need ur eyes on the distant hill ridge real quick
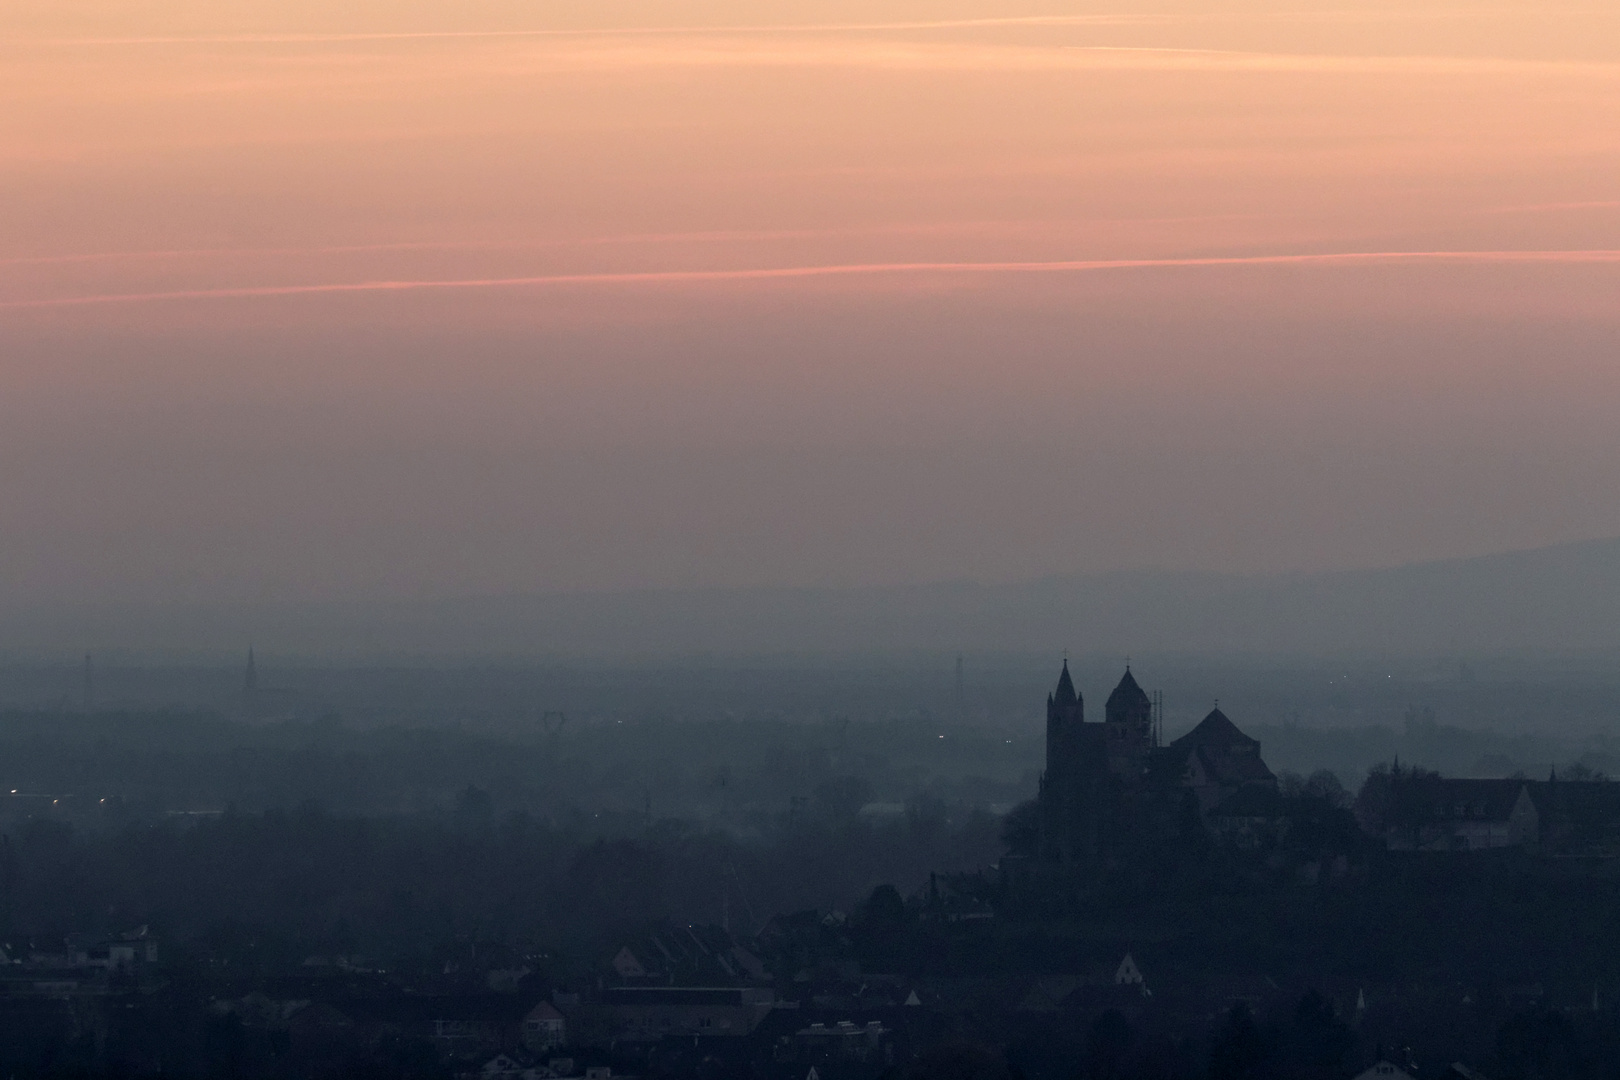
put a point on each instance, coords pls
(1555, 599)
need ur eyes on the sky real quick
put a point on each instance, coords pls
(416, 299)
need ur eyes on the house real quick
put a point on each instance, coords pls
(1433, 813)
(1385, 1070)
(519, 1066)
(318, 1030)
(1048, 994)
(506, 980)
(119, 953)
(1128, 973)
(647, 1013)
(1253, 818)
(1415, 810)
(317, 1019)
(470, 1026)
(505, 1067)
(627, 966)
(687, 955)
(137, 946)
(844, 1041)
(544, 1028)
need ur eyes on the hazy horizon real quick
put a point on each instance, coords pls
(390, 302)
(1556, 602)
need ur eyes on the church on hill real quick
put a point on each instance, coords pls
(1110, 787)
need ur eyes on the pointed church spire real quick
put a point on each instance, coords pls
(1065, 694)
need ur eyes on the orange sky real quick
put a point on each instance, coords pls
(428, 298)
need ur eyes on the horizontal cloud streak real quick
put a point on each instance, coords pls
(988, 23)
(719, 49)
(973, 57)
(711, 236)
(678, 277)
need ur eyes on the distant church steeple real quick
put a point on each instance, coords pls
(1065, 695)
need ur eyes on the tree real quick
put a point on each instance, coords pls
(1319, 1042)
(884, 911)
(1324, 784)
(1021, 829)
(1240, 1049)
(1395, 798)
(957, 1061)
(1537, 1044)
(1107, 1043)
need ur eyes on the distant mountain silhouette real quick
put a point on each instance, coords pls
(1555, 599)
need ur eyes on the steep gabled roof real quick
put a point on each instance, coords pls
(1225, 754)
(1461, 799)
(1214, 730)
(544, 1011)
(1233, 764)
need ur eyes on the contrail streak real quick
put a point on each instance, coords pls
(707, 237)
(780, 273)
(711, 236)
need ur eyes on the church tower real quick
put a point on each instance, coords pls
(1065, 713)
(1128, 716)
(1095, 773)
(1074, 788)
